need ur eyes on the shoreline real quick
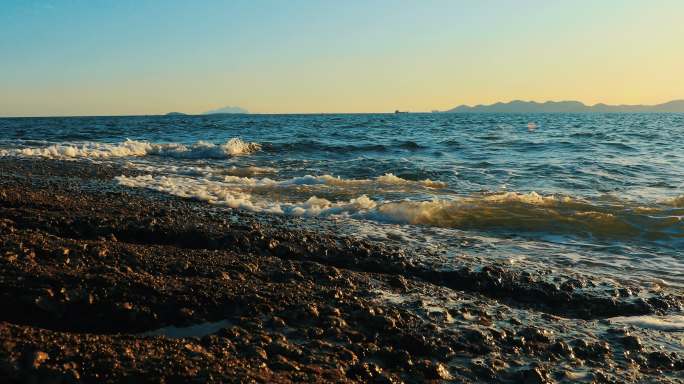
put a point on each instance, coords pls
(89, 269)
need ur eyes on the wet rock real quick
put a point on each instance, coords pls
(483, 370)
(414, 344)
(278, 322)
(592, 351)
(535, 335)
(36, 358)
(442, 316)
(335, 322)
(366, 372)
(433, 370)
(312, 310)
(632, 342)
(315, 332)
(348, 356)
(661, 360)
(61, 255)
(498, 334)
(257, 352)
(476, 336)
(561, 348)
(534, 375)
(399, 282)
(398, 358)
(572, 284)
(284, 348)
(281, 363)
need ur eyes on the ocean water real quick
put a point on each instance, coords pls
(596, 193)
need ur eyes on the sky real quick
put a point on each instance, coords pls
(129, 57)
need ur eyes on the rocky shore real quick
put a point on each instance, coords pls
(104, 284)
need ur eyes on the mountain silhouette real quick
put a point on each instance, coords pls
(519, 106)
(228, 109)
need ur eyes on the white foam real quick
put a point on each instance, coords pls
(134, 148)
(673, 323)
(234, 191)
(223, 194)
(234, 179)
(390, 178)
(509, 210)
(532, 198)
(386, 179)
(206, 171)
(487, 209)
(677, 202)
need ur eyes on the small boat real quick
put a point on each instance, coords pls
(398, 111)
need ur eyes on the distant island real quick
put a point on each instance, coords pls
(176, 114)
(226, 110)
(519, 106)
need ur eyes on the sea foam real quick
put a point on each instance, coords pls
(221, 193)
(510, 211)
(134, 148)
(671, 323)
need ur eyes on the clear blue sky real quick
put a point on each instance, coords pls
(80, 57)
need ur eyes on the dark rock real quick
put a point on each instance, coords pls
(433, 370)
(482, 370)
(661, 360)
(36, 358)
(561, 348)
(534, 376)
(632, 342)
(281, 363)
(365, 372)
(535, 335)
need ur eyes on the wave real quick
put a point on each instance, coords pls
(671, 323)
(218, 193)
(201, 171)
(239, 177)
(314, 145)
(134, 148)
(513, 212)
(531, 212)
(386, 179)
(677, 202)
(410, 145)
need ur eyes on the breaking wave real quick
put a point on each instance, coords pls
(677, 202)
(134, 148)
(386, 179)
(316, 145)
(237, 179)
(511, 211)
(220, 193)
(202, 171)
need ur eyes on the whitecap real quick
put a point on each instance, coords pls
(134, 148)
(521, 212)
(673, 323)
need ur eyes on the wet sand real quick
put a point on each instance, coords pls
(104, 284)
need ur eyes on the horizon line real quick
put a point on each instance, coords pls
(359, 113)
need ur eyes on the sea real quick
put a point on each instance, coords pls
(585, 193)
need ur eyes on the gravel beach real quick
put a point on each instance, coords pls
(104, 284)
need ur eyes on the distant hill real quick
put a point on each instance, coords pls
(518, 106)
(226, 110)
(176, 114)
